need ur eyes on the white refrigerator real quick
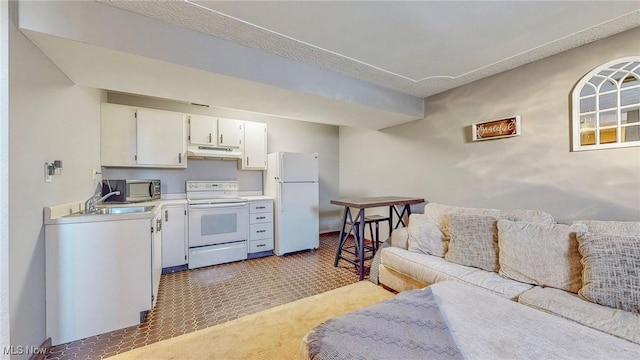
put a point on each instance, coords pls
(292, 179)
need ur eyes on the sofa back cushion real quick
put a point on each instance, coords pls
(425, 236)
(611, 274)
(611, 227)
(428, 232)
(473, 241)
(533, 216)
(540, 254)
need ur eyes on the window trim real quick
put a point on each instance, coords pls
(575, 103)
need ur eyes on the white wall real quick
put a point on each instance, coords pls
(282, 135)
(4, 178)
(50, 119)
(434, 158)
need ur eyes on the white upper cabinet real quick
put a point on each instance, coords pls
(139, 137)
(203, 130)
(136, 137)
(254, 146)
(118, 135)
(161, 138)
(215, 132)
(229, 133)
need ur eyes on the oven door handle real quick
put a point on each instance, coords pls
(218, 206)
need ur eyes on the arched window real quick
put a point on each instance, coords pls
(606, 106)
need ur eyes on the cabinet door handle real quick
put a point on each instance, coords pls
(180, 158)
(166, 215)
(260, 207)
(261, 231)
(247, 161)
(261, 245)
(209, 137)
(221, 141)
(261, 217)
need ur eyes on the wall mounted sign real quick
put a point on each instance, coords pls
(496, 129)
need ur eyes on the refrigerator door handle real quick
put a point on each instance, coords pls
(280, 168)
(280, 203)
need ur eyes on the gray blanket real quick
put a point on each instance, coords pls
(454, 320)
(407, 326)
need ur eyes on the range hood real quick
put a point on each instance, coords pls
(194, 151)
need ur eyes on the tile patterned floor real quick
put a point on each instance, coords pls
(200, 298)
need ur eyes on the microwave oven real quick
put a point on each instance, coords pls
(131, 190)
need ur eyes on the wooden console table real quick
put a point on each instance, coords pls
(370, 202)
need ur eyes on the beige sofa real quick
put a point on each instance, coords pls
(587, 271)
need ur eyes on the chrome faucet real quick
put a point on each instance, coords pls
(91, 203)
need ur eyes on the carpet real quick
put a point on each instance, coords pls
(274, 333)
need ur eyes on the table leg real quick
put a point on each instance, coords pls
(407, 210)
(360, 240)
(341, 238)
(391, 219)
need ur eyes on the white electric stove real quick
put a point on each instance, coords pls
(218, 223)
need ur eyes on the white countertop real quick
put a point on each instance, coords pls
(58, 214)
(257, 197)
(55, 215)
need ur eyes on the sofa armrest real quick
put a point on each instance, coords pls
(400, 238)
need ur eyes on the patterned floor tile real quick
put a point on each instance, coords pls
(200, 298)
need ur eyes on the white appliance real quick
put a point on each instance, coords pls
(292, 179)
(218, 223)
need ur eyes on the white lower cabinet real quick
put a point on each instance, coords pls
(174, 236)
(260, 228)
(100, 276)
(156, 257)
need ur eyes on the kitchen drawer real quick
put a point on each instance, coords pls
(260, 231)
(260, 218)
(260, 206)
(260, 245)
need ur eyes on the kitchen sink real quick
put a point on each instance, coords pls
(122, 210)
(114, 210)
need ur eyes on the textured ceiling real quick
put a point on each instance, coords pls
(416, 47)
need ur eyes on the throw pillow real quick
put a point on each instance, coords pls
(473, 241)
(425, 236)
(611, 273)
(427, 231)
(540, 254)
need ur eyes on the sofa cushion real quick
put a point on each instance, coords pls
(611, 227)
(473, 241)
(611, 273)
(540, 254)
(617, 322)
(533, 216)
(425, 236)
(487, 327)
(428, 231)
(400, 238)
(430, 269)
